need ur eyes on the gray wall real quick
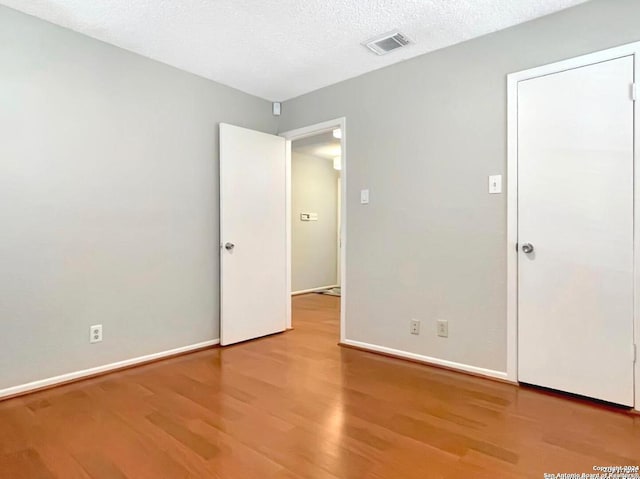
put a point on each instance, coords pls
(423, 136)
(314, 248)
(108, 200)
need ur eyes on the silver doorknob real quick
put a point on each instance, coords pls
(229, 246)
(527, 248)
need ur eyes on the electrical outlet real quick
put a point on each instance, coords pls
(95, 333)
(414, 326)
(443, 328)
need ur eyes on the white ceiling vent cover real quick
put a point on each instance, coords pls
(386, 43)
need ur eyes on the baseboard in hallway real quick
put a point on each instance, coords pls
(313, 290)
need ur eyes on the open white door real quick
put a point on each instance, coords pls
(253, 234)
(575, 231)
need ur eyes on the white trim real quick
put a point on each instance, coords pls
(429, 360)
(305, 132)
(338, 228)
(313, 290)
(63, 378)
(316, 129)
(287, 166)
(512, 228)
(636, 230)
(512, 198)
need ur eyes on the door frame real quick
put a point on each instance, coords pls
(632, 49)
(298, 134)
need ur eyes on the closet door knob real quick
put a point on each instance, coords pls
(527, 248)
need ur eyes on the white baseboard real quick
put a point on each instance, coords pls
(429, 360)
(64, 378)
(313, 290)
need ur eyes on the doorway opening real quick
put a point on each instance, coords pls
(316, 212)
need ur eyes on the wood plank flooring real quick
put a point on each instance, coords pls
(295, 405)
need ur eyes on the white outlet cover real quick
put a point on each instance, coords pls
(95, 333)
(443, 328)
(414, 327)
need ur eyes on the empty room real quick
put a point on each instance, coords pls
(305, 239)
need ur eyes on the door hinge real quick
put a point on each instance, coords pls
(516, 247)
(635, 353)
(634, 91)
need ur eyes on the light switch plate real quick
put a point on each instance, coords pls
(495, 184)
(364, 197)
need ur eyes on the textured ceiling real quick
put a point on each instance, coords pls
(278, 49)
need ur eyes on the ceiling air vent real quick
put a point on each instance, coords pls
(388, 42)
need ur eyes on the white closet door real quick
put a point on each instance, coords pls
(575, 209)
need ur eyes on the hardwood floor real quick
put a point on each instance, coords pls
(296, 405)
